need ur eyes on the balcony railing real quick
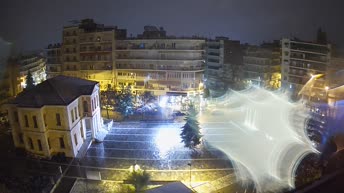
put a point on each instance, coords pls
(138, 47)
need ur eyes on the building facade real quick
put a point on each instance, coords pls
(55, 116)
(88, 52)
(223, 64)
(152, 61)
(162, 66)
(300, 61)
(262, 66)
(13, 78)
(54, 61)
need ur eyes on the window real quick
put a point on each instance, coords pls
(49, 146)
(85, 105)
(75, 139)
(72, 115)
(34, 118)
(76, 113)
(21, 139)
(58, 119)
(26, 121)
(15, 114)
(82, 132)
(62, 144)
(30, 143)
(39, 145)
(45, 119)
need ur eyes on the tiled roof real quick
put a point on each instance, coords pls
(60, 90)
(174, 187)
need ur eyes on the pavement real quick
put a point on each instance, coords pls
(157, 148)
(154, 146)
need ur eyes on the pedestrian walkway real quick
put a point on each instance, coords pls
(83, 149)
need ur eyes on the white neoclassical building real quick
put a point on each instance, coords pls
(55, 116)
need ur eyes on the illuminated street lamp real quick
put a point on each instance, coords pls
(134, 168)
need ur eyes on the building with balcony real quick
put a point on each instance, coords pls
(162, 65)
(88, 52)
(262, 65)
(13, 78)
(54, 60)
(300, 61)
(55, 116)
(223, 62)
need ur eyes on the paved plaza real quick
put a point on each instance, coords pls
(157, 148)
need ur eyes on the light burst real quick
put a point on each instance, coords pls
(262, 132)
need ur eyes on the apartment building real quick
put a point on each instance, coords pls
(262, 65)
(150, 61)
(300, 62)
(162, 66)
(54, 60)
(88, 52)
(55, 116)
(224, 59)
(13, 77)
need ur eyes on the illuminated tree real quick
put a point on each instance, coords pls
(206, 93)
(147, 97)
(191, 134)
(124, 101)
(29, 81)
(139, 179)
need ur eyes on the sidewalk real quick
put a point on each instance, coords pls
(84, 148)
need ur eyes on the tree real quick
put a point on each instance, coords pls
(139, 179)
(124, 101)
(206, 93)
(191, 135)
(108, 98)
(147, 97)
(29, 81)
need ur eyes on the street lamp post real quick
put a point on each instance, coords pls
(189, 164)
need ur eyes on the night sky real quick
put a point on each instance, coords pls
(33, 24)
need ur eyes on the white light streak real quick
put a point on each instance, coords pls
(267, 138)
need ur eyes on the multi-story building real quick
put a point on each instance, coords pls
(262, 65)
(223, 61)
(55, 116)
(163, 66)
(88, 52)
(54, 62)
(301, 61)
(152, 61)
(13, 79)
